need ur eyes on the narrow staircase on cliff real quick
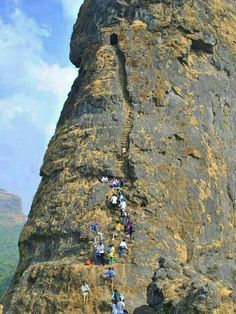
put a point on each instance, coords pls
(122, 165)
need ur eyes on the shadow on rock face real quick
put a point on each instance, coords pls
(145, 309)
(104, 307)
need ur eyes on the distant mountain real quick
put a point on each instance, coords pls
(11, 222)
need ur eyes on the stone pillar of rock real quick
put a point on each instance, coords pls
(154, 103)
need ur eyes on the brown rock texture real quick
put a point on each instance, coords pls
(154, 103)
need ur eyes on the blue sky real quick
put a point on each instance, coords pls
(36, 76)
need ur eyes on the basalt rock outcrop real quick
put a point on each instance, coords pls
(154, 103)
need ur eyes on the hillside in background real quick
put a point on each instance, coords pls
(11, 223)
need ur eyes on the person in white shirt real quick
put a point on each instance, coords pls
(104, 180)
(101, 253)
(114, 307)
(113, 201)
(85, 292)
(122, 204)
(122, 248)
(120, 307)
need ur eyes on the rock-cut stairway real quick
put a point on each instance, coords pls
(122, 164)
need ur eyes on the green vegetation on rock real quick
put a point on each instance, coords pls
(9, 254)
(11, 223)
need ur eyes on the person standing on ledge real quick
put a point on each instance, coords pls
(121, 307)
(85, 292)
(123, 248)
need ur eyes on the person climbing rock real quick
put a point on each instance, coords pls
(122, 205)
(85, 292)
(129, 230)
(116, 295)
(114, 308)
(123, 248)
(120, 195)
(101, 253)
(104, 179)
(114, 201)
(124, 151)
(96, 255)
(111, 254)
(121, 307)
(101, 236)
(109, 276)
(124, 213)
(94, 227)
(124, 217)
(95, 241)
(115, 183)
(116, 231)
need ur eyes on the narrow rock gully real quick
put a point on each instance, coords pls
(122, 165)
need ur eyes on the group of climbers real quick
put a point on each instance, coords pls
(114, 182)
(118, 201)
(118, 304)
(117, 298)
(106, 255)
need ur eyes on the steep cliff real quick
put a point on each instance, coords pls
(154, 103)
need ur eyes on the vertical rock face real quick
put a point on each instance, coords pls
(154, 103)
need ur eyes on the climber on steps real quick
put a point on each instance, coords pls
(122, 205)
(101, 236)
(116, 231)
(123, 248)
(124, 151)
(115, 183)
(109, 276)
(85, 292)
(116, 295)
(111, 254)
(94, 227)
(121, 307)
(104, 179)
(129, 229)
(114, 308)
(101, 253)
(114, 201)
(120, 195)
(124, 217)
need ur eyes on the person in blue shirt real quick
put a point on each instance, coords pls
(109, 276)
